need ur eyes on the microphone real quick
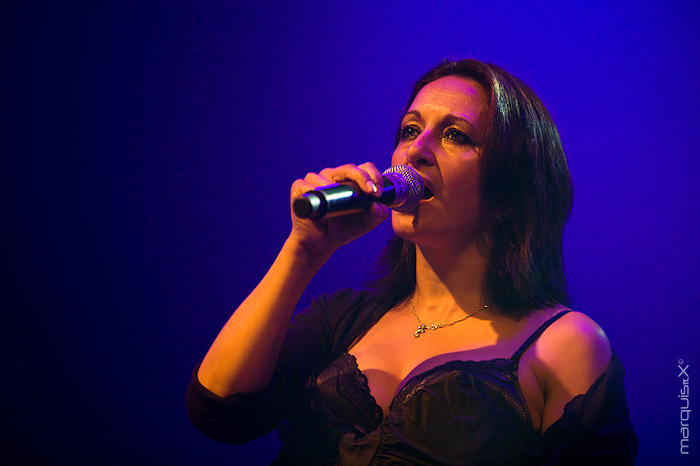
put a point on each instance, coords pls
(402, 191)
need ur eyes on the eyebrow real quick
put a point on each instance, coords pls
(452, 117)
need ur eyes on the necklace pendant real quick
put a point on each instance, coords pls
(420, 331)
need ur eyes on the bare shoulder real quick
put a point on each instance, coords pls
(569, 356)
(574, 338)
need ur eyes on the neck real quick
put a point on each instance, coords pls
(449, 284)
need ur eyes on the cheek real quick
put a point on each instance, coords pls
(464, 192)
(467, 190)
(397, 158)
(469, 210)
(467, 194)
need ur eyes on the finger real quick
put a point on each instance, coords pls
(352, 173)
(375, 174)
(310, 182)
(317, 180)
(300, 187)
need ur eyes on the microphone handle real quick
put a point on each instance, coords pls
(338, 199)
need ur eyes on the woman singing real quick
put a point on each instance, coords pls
(464, 351)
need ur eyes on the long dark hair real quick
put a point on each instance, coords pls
(526, 193)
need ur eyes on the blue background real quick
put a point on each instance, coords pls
(149, 154)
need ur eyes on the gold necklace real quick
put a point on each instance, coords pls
(423, 327)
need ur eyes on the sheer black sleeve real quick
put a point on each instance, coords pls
(595, 427)
(241, 417)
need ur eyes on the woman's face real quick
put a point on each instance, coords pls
(441, 137)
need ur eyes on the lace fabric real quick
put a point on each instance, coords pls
(442, 413)
(344, 388)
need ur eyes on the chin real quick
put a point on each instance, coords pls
(432, 231)
(406, 226)
(403, 223)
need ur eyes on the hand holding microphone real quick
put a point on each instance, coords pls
(321, 202)
(402, 191)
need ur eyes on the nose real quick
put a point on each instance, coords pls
(420, 152)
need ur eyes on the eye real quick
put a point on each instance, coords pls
(408, 132)
(457, 136)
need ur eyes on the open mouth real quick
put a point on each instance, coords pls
(427, 193)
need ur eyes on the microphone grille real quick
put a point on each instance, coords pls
(409, 189)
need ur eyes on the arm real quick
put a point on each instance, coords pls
(586, 417)
(243, 356)
(241, 417)
(571, 355)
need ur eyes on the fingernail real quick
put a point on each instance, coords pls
(372, 186)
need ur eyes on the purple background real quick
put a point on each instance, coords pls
(150, 151)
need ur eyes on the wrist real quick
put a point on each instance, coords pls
(309, 257)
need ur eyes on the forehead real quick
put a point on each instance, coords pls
(452, 94)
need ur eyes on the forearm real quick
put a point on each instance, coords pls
(244, 354)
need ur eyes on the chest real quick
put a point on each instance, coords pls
(389, 354)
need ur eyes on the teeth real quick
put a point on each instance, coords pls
(427, 193)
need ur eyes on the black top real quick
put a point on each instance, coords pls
(460, 412)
